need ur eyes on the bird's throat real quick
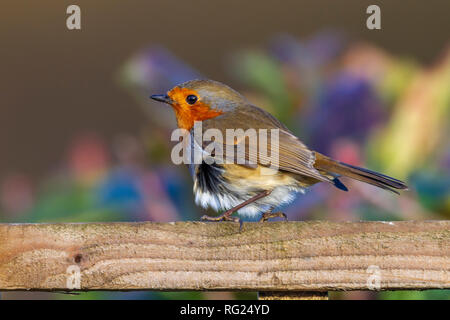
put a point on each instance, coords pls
(186, 116)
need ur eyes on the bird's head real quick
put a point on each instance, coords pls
(199, 100)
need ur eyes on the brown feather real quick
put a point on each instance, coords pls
(294, 156)
(328, 165)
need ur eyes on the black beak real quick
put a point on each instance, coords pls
(161, 98)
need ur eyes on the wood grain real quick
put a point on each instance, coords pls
(272, 256)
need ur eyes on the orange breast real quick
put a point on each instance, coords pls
(187, 114)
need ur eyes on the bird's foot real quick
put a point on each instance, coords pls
(269, 214)
(224, 217)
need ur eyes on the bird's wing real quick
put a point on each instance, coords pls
(293, 155)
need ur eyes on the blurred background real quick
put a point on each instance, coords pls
(81, 142)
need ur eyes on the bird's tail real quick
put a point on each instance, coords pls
(330, 166)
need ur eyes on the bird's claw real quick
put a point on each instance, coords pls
(223, 217)
(267, 215)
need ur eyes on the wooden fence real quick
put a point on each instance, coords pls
(281, 260)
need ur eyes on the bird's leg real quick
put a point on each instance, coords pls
(226, 216)
(269, 214)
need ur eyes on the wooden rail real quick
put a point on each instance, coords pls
(273, 256)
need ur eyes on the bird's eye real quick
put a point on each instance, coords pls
(191, 99)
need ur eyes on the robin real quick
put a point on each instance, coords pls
(249, 189)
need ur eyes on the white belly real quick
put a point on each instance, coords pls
(238, 184)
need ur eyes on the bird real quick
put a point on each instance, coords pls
(253, 189)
